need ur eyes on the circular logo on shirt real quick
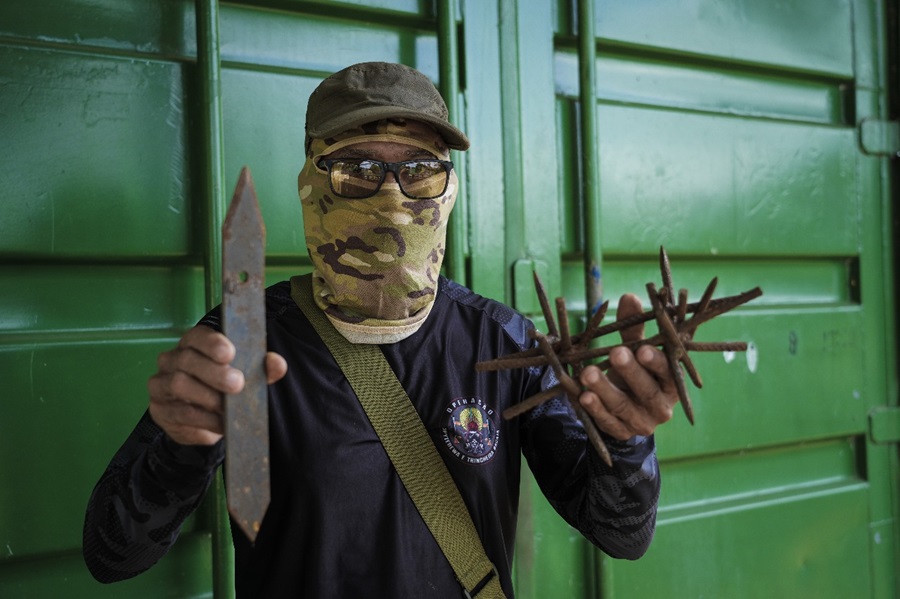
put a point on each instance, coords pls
(469, 432)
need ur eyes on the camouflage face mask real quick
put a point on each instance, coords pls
(376, 260)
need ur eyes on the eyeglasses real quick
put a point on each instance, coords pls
(358, 179)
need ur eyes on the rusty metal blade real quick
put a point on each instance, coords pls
(244, 323)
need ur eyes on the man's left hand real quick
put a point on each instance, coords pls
(639, 393)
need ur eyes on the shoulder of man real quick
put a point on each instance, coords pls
(515, 324)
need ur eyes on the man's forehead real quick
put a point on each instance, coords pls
(414, 134)
(373, 149)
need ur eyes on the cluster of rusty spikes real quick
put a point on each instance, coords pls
(566, 354)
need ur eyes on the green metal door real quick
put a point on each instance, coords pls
(99, 267)
(125, 125)
(748, 139)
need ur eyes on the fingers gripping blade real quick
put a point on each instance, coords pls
(244, 323)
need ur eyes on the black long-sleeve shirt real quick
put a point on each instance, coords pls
(340, 523)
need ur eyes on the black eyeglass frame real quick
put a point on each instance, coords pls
(387, 167)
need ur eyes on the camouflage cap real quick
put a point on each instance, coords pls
(372, 91)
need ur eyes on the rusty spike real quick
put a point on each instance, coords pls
(244, 323)
(545, 305)
(703, 304)
(573, 390)
(673, 348)
(682, 305)
(665, 270)
(593, 323)
(532, 402)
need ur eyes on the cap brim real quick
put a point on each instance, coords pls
(453, 137)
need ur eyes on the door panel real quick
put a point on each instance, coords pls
(727, 132)
(104, 236)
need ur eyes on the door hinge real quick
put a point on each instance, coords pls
(884, 424)
(879, 137)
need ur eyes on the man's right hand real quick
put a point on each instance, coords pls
(186, 393)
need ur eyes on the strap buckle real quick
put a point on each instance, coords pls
(481, 584)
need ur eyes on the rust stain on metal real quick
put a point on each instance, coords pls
(244, 323)
(567, 354)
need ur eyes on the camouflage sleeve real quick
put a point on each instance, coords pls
(614, 508)
(137, 508)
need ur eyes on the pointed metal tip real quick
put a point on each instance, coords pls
(688, 410)
(248, 509)
(245, 179)
(249, 530)
(244, 205)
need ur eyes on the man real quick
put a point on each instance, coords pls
(376, 192)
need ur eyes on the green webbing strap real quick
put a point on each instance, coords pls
(410, 449)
